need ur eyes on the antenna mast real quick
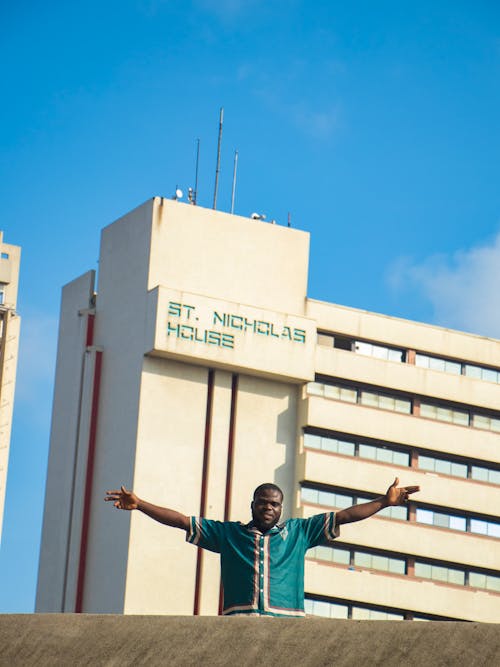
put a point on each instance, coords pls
(195, 194)
(234, 180)
(217, 169)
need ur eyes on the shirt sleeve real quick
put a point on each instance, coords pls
(320, 529)
(206, 533)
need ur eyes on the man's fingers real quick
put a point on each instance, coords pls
(411, 489)
(124, 490)
(396, 482)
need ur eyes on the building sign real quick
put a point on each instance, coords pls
(230, 334)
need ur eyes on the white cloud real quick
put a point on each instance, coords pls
(318, 123)
(462, 288)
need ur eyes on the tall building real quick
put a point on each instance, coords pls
(10, 256)
(198, 368)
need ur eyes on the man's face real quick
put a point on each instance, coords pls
(266, 509)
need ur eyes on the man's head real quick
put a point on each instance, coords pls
(266, 506)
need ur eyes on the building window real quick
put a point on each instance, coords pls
(444, 414)
(481, 373)
(326, 609)
(442, 466)
(481, 527)
(486, 581)
(438, 573)
(326, 498)
(379, 351)
(365, 614)
(437, 364)
(326, 444)
(382, 563)
(384, 455)
(488, 423)
(385, 402)
(485, 474)
(330, 555)
(441, 520)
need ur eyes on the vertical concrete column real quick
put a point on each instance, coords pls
(216, 481)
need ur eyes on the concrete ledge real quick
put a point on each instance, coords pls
(108, 640)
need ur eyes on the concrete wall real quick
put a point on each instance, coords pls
(109, 641)
(196, 250)
(63, 507)
(10, 324)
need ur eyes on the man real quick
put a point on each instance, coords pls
(262, 562)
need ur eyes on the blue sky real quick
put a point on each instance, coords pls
(374, 124)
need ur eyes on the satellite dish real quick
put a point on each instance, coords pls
(179, 194)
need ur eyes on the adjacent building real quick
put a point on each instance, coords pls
(196, 367)
(10, 256)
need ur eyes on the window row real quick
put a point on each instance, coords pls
(353, 557)
(393, 403)
(460, 417)
(455, 367)
(361, 347)
(329, 609)
(424, 570)
(335, 610)
(343, 500)
(355, 395)
(386, 454)
(455, 521)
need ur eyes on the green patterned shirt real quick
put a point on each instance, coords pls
(263, 573)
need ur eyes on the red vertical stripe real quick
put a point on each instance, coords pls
(230, 463)
(88, 481)
(90, 330)
(204, 484)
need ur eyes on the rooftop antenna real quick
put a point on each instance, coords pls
(289, 219)
(217, 169)
(195, 193)
(234, 180)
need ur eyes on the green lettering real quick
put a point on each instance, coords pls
(228, 341)
(219, 319)
(174, 308)
(185, 329)
(213, 337)
(236, 322)
(262, 327)
(299, 335)
(172, 329)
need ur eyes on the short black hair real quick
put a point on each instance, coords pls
(268, 486)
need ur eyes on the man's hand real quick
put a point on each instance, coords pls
(394, 496)
(127, 500)
(399, 496)
(123, 499)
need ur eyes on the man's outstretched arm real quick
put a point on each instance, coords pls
(127, 500)
(394, 496)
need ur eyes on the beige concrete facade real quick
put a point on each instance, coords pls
(198, 368)
(10, 323)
